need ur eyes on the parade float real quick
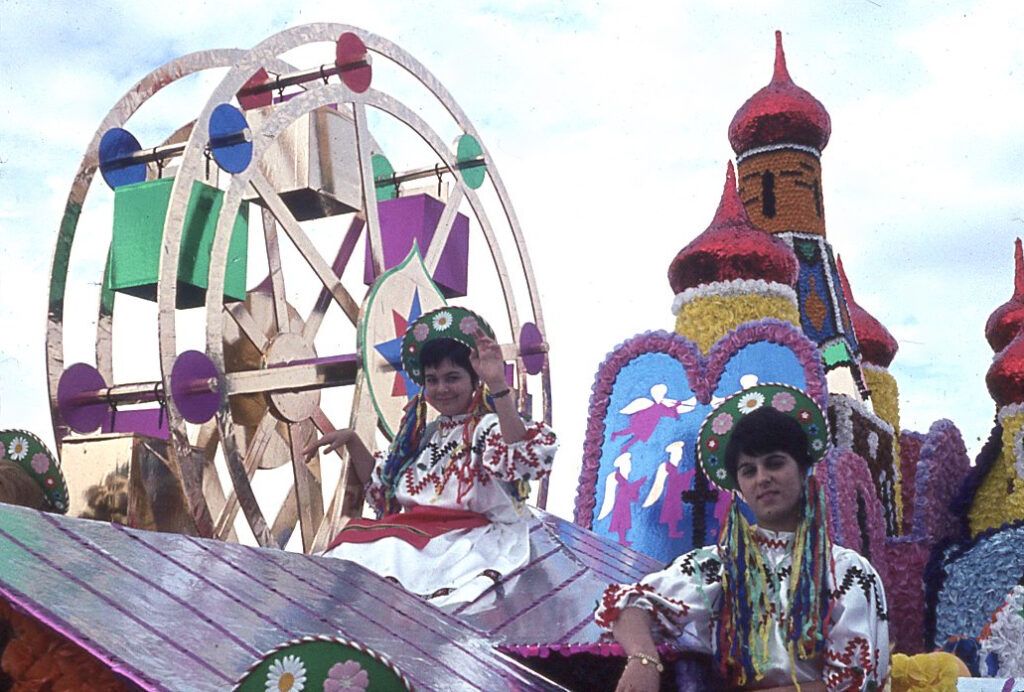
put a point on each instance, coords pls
(187, 556)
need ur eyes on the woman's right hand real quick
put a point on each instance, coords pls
(639, 678)
(331, 441)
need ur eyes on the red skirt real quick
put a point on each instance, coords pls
(415, 526)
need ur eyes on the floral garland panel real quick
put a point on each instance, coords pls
(640, 484)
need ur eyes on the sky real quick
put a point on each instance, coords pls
(607, 122)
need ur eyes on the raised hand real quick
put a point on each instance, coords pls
(487, 361)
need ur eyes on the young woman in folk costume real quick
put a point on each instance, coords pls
(449, 494)
(777, 604)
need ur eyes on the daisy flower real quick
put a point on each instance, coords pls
(442, 321)
(751, 401)
(286, 674)
(18, 448)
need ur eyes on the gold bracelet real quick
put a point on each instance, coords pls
(647, 661)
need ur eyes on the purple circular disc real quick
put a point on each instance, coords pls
(531, 348)
(190, 392)
(83, 414)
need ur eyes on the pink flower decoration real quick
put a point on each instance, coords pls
(783, 401)
(346, 676)
(468, 325)
(721, 424)
(421, 331)
(40, 463)
(3, 451)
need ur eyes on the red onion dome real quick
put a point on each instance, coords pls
(1005, 379)
(732, 248)
(877, 344)
(1006, 322)
(780, 113)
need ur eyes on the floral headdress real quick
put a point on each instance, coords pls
(449, 322)
(30, 453)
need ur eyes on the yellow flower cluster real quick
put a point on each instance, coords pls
(885, 399)
(995, 503)
(706, 319)
(932, 672)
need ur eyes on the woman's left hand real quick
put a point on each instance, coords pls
(488, 363)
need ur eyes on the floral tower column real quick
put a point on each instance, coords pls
(778, 136)
(999, 475)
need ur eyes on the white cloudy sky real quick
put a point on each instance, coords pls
(608, 123)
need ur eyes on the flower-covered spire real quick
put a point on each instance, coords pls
(780, 113)
(1008, 319)
(877, 344)
(732, 248)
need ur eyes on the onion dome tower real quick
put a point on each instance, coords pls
(1000, 494)
(730, 274)
(778, 136)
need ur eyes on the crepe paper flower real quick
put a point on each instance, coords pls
(721, 424)
(3, 452)
(712, 443)
(40, 463)
(783, 401)
(421, 331)
(468, 325)
(803, 415)
(442, 321)
(751, 401)
(720, 474)
(18, 448)
(346, 676)
(817, 445)
(286, 674)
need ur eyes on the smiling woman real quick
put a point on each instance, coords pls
(772, 603)
(449, 494)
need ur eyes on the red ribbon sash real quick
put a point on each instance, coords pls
(416, 526)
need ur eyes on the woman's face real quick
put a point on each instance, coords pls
(772, 485)
(448, 388)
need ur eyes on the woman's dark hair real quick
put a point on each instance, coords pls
(438, 350)
(763, 431)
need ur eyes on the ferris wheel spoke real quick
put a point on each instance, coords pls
(323, 301)
(308, 492)
(444, 229)
(365, 156)
(305, 247)
(276, 276)
(244, 319)
(241, 478)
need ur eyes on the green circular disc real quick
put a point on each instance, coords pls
(384, 177)
(468, 149)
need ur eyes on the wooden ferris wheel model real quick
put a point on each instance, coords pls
(258, 383)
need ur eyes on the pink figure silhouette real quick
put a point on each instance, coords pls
(619, 495)
(645, 414)
(669, 484)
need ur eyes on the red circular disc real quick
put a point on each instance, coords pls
(259, 99)
(532, 348)
(353, 62)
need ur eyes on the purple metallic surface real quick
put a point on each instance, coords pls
(151, 422)
(1006, 321)
(414, 218)
(530, 343)
(732, 248)
(877, 345)
(83, 414)
(172, 612)
(192, 370)
(780, 113)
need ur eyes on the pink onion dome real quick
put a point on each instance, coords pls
(732, 248)
(1008, 319)
(877, 344)
(780, 113)
(1005, 378)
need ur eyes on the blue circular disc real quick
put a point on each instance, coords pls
(116, 146)
(230, 139)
